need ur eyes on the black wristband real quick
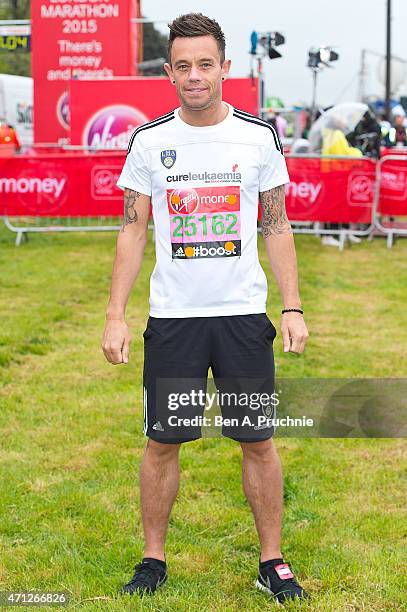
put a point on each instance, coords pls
(292, 310)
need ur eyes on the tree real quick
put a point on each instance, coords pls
(154, 47)
(15, 62)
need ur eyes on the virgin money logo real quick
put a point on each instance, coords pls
(104, 179)
(63, 112)
(394, 183)
(305, 191)
(50, 186)
(360, 188)
(112, 126)
(36, 195)
(184, 201)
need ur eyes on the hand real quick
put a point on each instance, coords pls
(294, 332)
(116, 341)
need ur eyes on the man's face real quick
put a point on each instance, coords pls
(197, 71)
(399, 120)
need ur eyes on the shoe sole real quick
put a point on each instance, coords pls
(265, 589)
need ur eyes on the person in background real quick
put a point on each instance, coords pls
(385, 126)
(8, 136)
(397, 135)
(307, 126)
(281, 125)
(271, 119)
(367, 136)
(334, 142)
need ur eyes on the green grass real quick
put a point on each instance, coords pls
(71, 442)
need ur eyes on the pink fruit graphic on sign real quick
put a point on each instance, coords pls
(111, 127)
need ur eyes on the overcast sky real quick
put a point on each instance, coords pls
(348, 25)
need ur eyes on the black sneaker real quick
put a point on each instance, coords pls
(148, 575)
(276, 578)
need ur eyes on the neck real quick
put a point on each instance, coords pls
(209, 116)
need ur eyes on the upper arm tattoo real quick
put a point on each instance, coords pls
(130, 212)
(273, 214)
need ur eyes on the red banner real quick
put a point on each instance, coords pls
(81, 184)
(330, 190)
(76, 40)
(393, 187)
(61, 185)
(105, 114)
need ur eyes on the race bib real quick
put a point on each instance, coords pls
(204, 222)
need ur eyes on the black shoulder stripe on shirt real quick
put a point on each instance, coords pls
(153, 121)
(251, 116)
(252, 119)
(149, 125)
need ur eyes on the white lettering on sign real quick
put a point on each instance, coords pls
(304, 190)
(106, 140)
(93, 61)
(67, 46)
(78, 73)
(82, 11)
(32, 185)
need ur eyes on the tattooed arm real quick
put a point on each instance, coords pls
(130, 207)
(280, 247)
(131, 241)
(273, 215)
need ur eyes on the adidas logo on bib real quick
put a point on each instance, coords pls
(158, 427)
(180, 252)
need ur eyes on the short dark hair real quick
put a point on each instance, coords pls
(196, 24)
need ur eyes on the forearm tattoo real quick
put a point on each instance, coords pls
(273, 214)
(130, 212)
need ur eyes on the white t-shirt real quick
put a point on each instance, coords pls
(204, 183)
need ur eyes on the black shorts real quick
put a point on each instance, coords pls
(177, 355)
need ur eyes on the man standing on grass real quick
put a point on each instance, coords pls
(204, 165)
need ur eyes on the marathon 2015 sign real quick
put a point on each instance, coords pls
(77, 39)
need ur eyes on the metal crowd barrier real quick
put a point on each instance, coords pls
(37, 225)
(63, 224)
(391, 229)
(317, 228)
